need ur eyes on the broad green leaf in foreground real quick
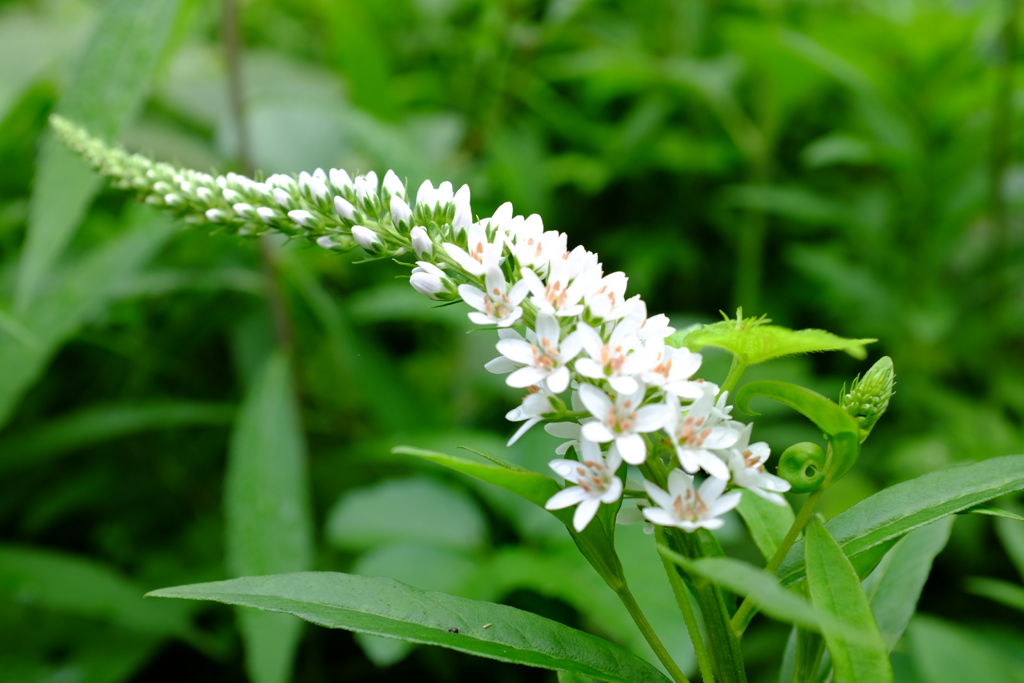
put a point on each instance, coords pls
(906, 506)
(753, 340)
(268, 525)
(385, 607)
(107, 88)
(835, 588)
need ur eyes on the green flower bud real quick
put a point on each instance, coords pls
(869, 396)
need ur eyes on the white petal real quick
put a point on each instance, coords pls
(595, 400)
(566, 497)
(652, 418)
(558, 381)
(595, 431)
(632, 448)
(584, 513)
(519, 350)
(526, 377)
(659, 516)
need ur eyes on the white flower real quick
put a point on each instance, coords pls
(498, 305)
(482, 254)
(365, 237)
(339, 178)
(672, 368)
(595, 481)
(538, 402)
(746, 460)
(619, 360)
(314, 184)
(366, 186)
(531, 246)
(545, 357)
(215, 215)
(698, 431)
(425, 196)
(622, 421)
(327, 242)
(606, 301)
(266, 213)
(400, 211)
(428, 279)
(421, 243)
(282, 197)
(687, 508)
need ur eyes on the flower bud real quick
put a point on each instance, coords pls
(266, 213)
(421, 243)
(243, 209)
(869, 396)
(302, 217)
(426, 195)
(431, 281)
(393, 185)
(231, 196)
(205, 194)
(339, 178)
(400, 213)
(344, 208)
(215, 215)
(366, 238)
(172, 199)
(282, 197)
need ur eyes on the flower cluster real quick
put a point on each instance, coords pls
(564, 324)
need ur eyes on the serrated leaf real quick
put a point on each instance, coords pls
(388, 608)
(754, 341)
(110, 81)
(269, 529)
(906, 506)
(835, 588)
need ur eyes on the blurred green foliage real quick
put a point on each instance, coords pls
(850, 165)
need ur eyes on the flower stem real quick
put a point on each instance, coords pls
(743, 614)
(652, 638)
(689, 616)
(735, 372)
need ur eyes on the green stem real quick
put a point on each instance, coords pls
(652, 638)
(735, 372)
(743, 614)
(689, 616)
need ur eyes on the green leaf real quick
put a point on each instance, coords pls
(1004, 592)
(896, 584)
(534, 487)
(107, 89)
(835, 588)
(944, 652)
(908, 505)
(840, 428)
(749, 581)
(100, 423)
(74, 585)
(79, 291)
(269, 529)
(767, 522)
(753, 340)
(1011, 534)
(387, 608)
(421, 510)
(992, 511)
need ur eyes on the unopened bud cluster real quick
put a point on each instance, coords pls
(868, 397)
(564, 324)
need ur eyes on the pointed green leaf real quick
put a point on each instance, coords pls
(269, 529)
(896, 584)
(768, 523)
(388, 608)
(753, 340)
(992, 511)
(903, 507)
(1011, 535)
(748, 581)
(835, 588)
(108, 87)
(534, 487)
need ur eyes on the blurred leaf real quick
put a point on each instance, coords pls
(796, 203)
(911, 504)
(768, 523)
(896, 584)
(1009, 594)
(992, 511)
(99, 423)
(950, 653)
(408, 510)
(1011, 534)
(76, 293)
(836, 148)
(754, 341)
(108, 87)
(835, 588)
(74, 585)
(386, 607)
(267, 517)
